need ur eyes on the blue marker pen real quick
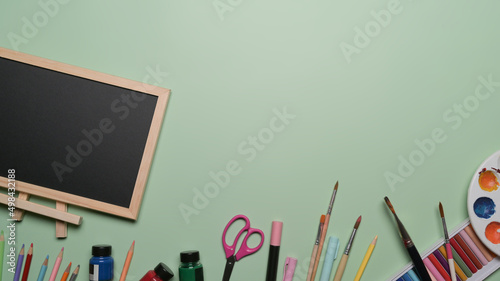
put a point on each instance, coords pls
(331, 255)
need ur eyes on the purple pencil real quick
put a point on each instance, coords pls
(20, 259)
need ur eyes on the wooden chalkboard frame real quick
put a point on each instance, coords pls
(162, 94)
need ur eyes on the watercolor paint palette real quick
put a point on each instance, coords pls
(473, 261)
(483, 202)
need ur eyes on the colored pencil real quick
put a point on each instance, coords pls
(66, 272)
(43, 269)
(75, 274)
(127, 262)
(366, 259)
(449, 254)
(345, 256)
(410, 247)
(20, 259)
(323, 232)
(27, 265)
(2, 246)
(57, 264)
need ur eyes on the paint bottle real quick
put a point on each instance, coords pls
(160, 273)
(101, 263)
(190, 268)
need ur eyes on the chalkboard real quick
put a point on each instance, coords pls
(75, 135)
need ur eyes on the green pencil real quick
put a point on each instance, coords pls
(2, 246)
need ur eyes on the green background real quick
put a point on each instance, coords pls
(230, 71)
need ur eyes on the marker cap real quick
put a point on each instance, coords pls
(276, 233)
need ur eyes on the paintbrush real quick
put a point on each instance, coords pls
(323, 232)
(410, 247)
(315, 248)
(448, 246)
(345, 256)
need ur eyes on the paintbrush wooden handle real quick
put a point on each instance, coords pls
(320, 248)
(452, 270)
(341, 268)
(311, 264)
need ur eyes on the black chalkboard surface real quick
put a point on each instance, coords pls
(75, 135)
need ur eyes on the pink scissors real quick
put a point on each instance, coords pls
(244, 250)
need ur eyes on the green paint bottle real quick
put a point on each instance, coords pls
(190, 268)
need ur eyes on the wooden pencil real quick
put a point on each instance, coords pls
(66, 272)
(43, 269)
(75, 274)
(20, 259)
(127, 262)
(57, 264)
(27, 265)
(2, 246)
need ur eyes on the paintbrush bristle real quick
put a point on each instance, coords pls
(388, 202)
(322, 220)
(356, 225)
(336, 186)
(441, 211)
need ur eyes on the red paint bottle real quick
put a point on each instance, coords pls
(161, 273)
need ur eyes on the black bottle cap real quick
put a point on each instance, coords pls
(190, 256)
(164, 271)
(101, 250)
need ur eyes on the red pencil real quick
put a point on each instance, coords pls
(27, 264)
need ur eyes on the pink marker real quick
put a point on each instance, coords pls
(274, 251)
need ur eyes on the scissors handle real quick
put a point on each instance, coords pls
(244, 249)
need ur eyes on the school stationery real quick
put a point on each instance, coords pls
(130, 253)
(315, 248)
(410, 247)
(449, 255)
(27, 264)
(75, 273)
(345, 256)
(330, 256)
(43, 269)
(324, 231)
(190, 268)
(19, 265)
(274, 251)
(77, 112)
(464, 270)
(57, 264)
(289, 268)
(66, 272)
(232, 256)
(483, 200)
(365, 260)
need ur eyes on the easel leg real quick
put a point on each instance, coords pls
(61, 227)
(18, 213)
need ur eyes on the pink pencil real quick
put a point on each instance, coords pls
(56, 266)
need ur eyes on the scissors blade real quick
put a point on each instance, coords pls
(229, 268)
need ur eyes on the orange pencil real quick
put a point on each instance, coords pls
(28, 263)
(127, 262)
(323, 232)
(66, 272)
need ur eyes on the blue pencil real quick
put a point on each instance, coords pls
(20, 259)
(41, 275)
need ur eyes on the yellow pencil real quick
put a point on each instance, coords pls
(365, 259)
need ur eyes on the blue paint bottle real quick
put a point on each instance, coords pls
(101, 264)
